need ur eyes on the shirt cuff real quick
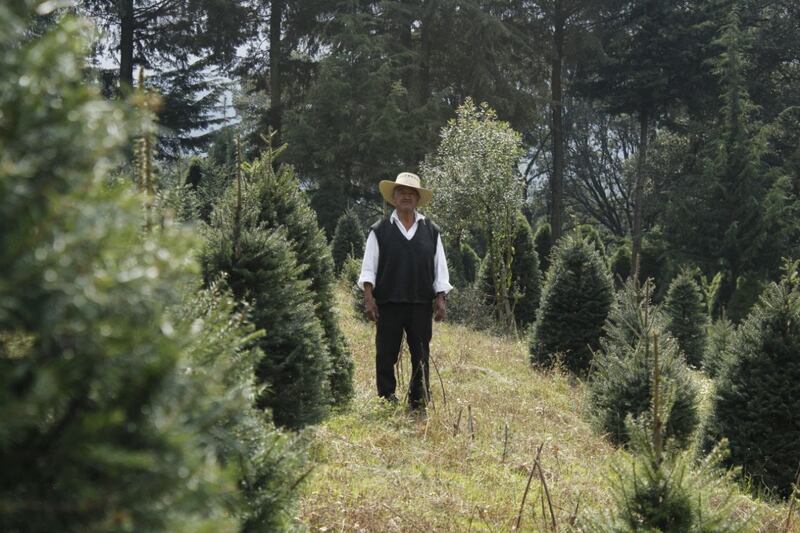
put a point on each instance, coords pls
(444, 287)
(366, 277)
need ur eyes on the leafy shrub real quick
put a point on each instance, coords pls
(575, 300)
(543, 242)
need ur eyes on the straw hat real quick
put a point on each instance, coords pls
(406, 179)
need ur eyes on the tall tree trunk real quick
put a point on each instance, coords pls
(557, 126)
(638, 192)
(127, 23)
(274, 115)
(426, 49)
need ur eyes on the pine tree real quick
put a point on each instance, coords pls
(350, 274)
(525, 275)
(621, 386)
(576, 298)
(221, 361)
(260, 267)
(663, 489)
(718, 346)
(543, 242)
(348, 239)
(756, 401)
(620, 264)
(687, 316)
(102, 427)
(281, 202)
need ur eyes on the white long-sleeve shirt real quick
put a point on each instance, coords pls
(369, 265)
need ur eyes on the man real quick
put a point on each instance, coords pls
(405, 281)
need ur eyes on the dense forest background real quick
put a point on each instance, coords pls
(671, 127)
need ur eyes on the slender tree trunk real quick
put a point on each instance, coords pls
(426, 49)
(275, 112)
(557, 126)
(638, 192)
(127, 23)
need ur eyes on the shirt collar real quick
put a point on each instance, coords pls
(417, 216)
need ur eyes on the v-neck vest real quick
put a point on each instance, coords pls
(405, 267)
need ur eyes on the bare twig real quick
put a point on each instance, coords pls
(458, 422)
(441, 381)
(469, 422)
(527, 488)
(505, 445)
(546, 491)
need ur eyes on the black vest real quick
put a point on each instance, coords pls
(405, 267)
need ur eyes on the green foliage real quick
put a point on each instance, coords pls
(473, 173)
(668, 493)
(621, 385)
(748, 290)
(576, 298)
(348, 239)
(525, 276)
(102, 424)
(350, 274)
(281, 202)
(620, 264)
(686, 316)
(260, 267)
(221, 361)
(462, 262)
(756, 401)
(543, 242)
(719, 346)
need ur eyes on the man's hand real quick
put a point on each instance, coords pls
(370, 306)
(439, 308)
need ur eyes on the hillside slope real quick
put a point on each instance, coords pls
(378, 468)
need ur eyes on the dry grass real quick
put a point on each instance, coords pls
(379, 468)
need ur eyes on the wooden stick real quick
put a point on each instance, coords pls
(527, 488)
(458, 422)
(505, 445)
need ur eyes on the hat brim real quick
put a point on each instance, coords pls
(387, 189)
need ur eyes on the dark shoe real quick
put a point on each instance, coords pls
(392, 399)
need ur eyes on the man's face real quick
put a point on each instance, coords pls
(405, 197)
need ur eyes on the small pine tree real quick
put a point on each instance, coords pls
(221, 361)
(471, 263)
(687, 316)
(756, 401)
(283, 203)
(543, 242)
(348, 239)
(620, 264)
(259, 266)
(621, 385)
(575, 301)
(718, 346)
(350, 274)
(662, 489)
(525, 276)
(102, 427)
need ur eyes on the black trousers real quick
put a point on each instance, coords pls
(417, 321)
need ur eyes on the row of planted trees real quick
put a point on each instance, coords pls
(637, 356)
(153, 366)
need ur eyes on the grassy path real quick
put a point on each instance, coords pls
(380, 469)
